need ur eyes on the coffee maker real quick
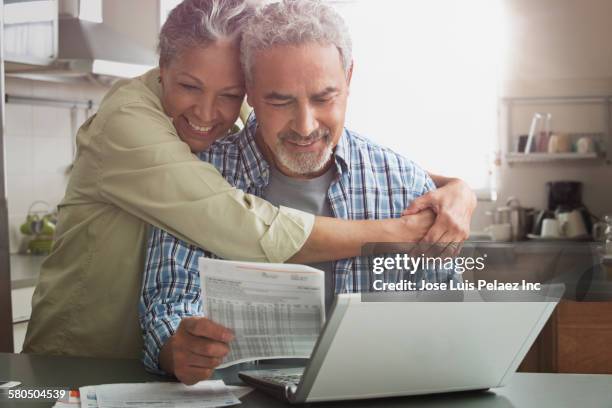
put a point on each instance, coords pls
(564, 196)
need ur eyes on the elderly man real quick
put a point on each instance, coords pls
(296, 57)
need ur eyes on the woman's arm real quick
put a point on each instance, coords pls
(147, 171)
(333, 238)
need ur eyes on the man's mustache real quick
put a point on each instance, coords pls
(294, 137)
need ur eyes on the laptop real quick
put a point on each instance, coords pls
(384, 346)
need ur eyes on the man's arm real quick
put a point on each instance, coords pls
(453, 202)
(177, 340)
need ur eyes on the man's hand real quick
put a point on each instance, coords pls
(195, 350)
(453, 204)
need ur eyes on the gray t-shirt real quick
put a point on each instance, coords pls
(308, 195)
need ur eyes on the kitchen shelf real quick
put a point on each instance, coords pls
(550, 157)
(517, 107)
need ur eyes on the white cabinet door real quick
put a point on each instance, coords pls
(22, 308)
(22, 303)
(19, 332)
(30, 33)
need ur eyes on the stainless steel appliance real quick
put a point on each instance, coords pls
(521, 219)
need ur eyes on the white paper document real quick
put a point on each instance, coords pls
(5, 385)
(239, 390)
(205, 394)
(275, 310)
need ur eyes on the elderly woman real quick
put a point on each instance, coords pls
(135, 167)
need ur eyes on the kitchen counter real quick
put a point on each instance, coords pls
(25, 270)
(524, 390)
(576, 264)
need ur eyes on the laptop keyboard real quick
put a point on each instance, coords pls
(285, 379)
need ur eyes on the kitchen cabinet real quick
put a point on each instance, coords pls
(576, 339)
(24, 276)
(30, 32)
(584, 337)
(578, 335)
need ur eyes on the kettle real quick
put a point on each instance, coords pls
(39, 226)
(572, 223)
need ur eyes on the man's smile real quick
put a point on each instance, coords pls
(306, 145)
(314, 142)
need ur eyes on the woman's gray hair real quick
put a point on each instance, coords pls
(294, 22)
(199, 23)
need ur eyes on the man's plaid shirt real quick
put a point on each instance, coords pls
(371, 182)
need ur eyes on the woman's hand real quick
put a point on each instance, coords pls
(415, 226)
(453, 203)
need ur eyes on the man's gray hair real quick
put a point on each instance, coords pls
(199, 23)
(294, 22)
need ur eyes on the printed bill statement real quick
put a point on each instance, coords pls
(275, 310)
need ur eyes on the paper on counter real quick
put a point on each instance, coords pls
(275, 310)
(239, 391)
(88, 397)
(205, 394)
(64, 404)
(8, 384)
(70, 400)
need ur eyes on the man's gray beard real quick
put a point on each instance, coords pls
(303, 163)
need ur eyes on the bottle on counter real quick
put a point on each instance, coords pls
(602, 232)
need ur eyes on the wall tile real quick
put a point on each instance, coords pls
(39, 146)
(44, 120)
(50, 187)
(20, 193)
(50, 155)
(18, 155)
(18, 120)
(63, 124)
(15, 236)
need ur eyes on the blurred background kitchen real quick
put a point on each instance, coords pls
(514, 96)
